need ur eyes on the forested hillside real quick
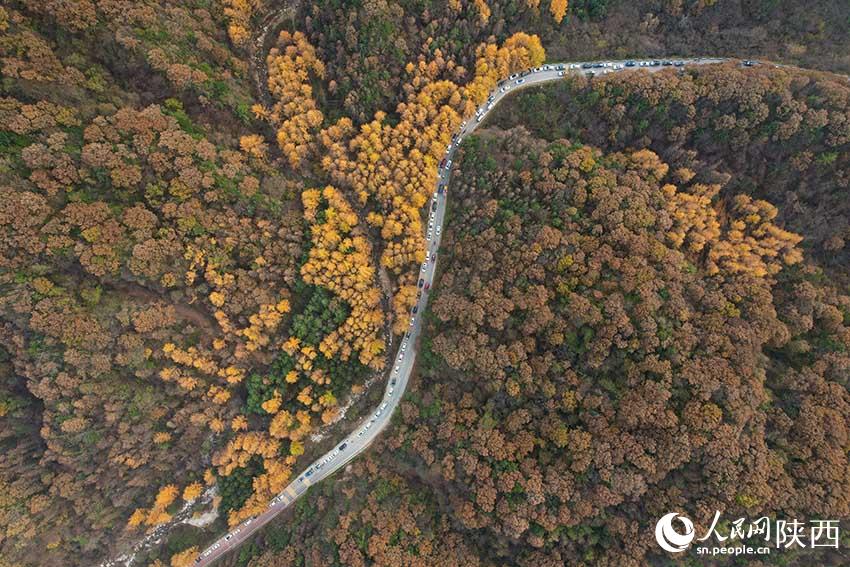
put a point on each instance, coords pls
(212, 214)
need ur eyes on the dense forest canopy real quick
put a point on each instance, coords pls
(212, 218)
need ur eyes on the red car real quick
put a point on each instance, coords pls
(427, 286)
(443, 163)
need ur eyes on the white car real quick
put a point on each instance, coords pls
(560, 73)
(573, 65)
(514, 76)
(383, 406)
(248, 521)
(412, 321)
(449, 164)
(397, 367)
(438, 230)
(390, 391)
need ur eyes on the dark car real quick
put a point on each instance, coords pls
(392, 382)
(343, 446)
(434, 206)
(655, 63)
(598, 65)
(630, 63)
(561, 67)
(679, 63)
(586, 65)
(667, 63)
(309, 473)
(422, 282)
(415, 309)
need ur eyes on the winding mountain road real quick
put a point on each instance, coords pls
(402, 366)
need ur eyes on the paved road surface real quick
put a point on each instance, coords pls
(402, 366)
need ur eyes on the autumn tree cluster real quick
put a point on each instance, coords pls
(292, 65)
(587, 362)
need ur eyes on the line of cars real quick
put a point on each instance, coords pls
(227, 537)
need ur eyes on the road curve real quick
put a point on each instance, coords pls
(402, 365)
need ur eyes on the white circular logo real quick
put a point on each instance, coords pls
(668, 538)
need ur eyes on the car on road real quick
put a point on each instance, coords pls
(227, 537)
(383, 406)
(390, 391)
(630, 63)
(434, 206)
(505, 89)
(309, 473)
(425, 264)
(586, 65)
(412, 321)
(514, 76)
(666, 63)
(749, 63)
(679, 63)
(443, 163)
(438, 230)
(368, 425)
(449, 164)
(561, 67)
(361, 432)
(392, 382)
(441, 188)
(655, 63)
(415, 309)
(560, 73)
(343, 446)
(397, 367)
(427, 286)
(520, 81)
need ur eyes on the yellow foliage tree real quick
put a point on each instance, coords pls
(558, 8)
(192, 491)
(185, 558)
